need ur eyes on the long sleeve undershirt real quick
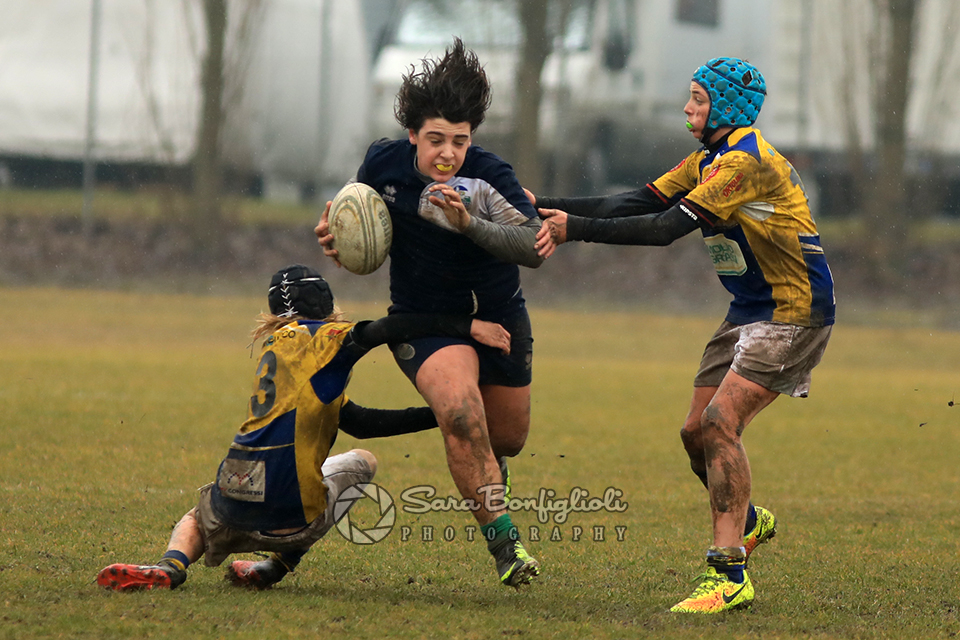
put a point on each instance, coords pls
(513, 244)
(638, 217)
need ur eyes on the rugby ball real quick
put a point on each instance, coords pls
(361, 228)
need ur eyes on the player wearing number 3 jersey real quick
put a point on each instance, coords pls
(276, 487)
(749, 204)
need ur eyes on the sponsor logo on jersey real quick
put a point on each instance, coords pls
(727, 256)
(713, 171)
(677, 168)
(734, 185)
(242, 479)
(464, 195)
(687, 210)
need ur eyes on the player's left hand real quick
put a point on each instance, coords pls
(490, 334)
(553, 233)
(451, 205)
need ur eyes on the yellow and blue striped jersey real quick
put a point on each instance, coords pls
(761, 235)
(271, 477)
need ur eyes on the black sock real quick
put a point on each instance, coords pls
(288, 559)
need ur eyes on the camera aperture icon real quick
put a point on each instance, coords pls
(355, 493)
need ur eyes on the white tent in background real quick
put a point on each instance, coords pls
(279, 125)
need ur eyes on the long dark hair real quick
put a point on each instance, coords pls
(454, 88)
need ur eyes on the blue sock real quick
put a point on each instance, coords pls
(728, 560)
(751, 518)
(176, 559)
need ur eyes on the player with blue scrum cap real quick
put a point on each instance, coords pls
(748, 202)
(276, 488)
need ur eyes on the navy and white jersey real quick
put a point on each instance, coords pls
(433, 268)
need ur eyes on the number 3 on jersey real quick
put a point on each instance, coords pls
(266, 370)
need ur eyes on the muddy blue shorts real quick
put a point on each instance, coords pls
(514, 370)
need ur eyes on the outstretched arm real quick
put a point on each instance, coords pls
(408, 326)
(657, 229)
(363, 422)
(631, 203)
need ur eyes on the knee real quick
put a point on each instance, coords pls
(508, 433)
(463, 420)
(691, 434)
(190, 518)
(508, 444)
(716, 427)
(693, 445)
(368, 457)
(690, 438)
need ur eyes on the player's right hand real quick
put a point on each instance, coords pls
(553, 233)
(491, 334)
(325, 238)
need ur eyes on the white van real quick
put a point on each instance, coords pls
(614, 86)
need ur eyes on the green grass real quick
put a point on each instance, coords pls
(116, 406)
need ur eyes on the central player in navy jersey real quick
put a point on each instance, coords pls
(462, 225)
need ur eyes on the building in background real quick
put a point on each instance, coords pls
(295, 103)
(618, 76)
(312, 82)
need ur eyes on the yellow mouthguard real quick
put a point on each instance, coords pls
(444, 167)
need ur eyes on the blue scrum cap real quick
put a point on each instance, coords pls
(300, 290)
(736, 90)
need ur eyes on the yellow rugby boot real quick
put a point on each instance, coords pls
(717, 593)
(763, 531)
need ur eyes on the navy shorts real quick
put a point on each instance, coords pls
(514, 370)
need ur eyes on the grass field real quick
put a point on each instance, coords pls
(115, 407)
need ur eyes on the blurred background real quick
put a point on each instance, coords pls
(176, 141)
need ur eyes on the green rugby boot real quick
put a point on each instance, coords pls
(515, 566)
